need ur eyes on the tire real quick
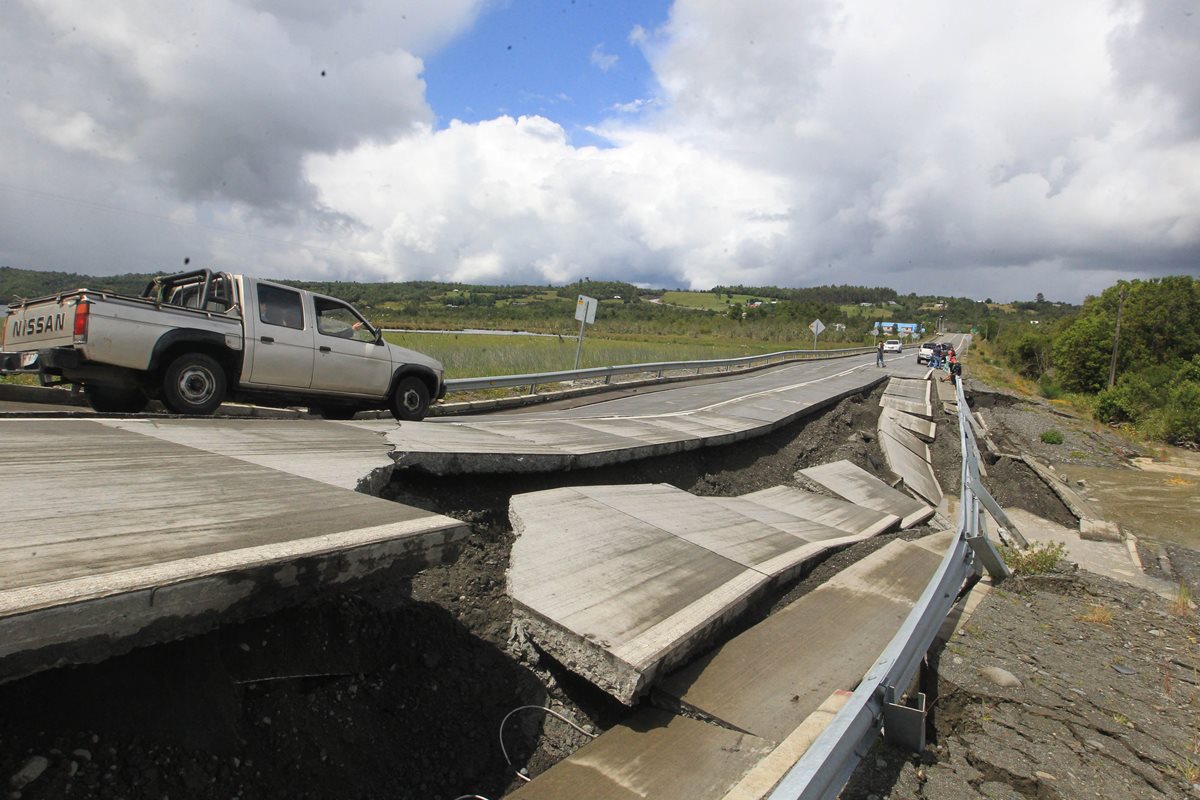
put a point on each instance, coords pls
(410, 400)
(334, 412)
(115, 399)
(194, 384)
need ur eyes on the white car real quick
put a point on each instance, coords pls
(892, 346)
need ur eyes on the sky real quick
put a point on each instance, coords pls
(967, 149)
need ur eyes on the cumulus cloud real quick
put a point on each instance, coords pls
(930, 146)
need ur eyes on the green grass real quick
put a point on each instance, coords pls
(482, 355)
(1038, 558)
(1052, 437)
(707, 300)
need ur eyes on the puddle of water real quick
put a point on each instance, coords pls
(1162, 504)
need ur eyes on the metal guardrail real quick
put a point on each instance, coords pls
(876, 704)
(533, 380)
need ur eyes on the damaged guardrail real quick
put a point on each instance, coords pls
(533, 380)
(877, 703)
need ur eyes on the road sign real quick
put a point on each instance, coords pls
(585, 312)
(585, 309)
(816, 326)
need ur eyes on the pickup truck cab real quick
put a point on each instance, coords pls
(195, 339)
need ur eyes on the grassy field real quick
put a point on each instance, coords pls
(706, 300)
(480, 355)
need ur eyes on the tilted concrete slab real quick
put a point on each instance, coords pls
(338, 454)
(613, 598)
(945, 391)
(807, 529)
(622, 582)
(768, 679)
(628, 428)
(859, 486)
(908, 457)
(907, 405)
(923, 429)
(836, 513)
(653, 754)
(909, 388)
(122, 539)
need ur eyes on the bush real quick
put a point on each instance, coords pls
(1038, 558)
(1048, 389)
(1135, 395)
(1052, 437)
(1179, 419)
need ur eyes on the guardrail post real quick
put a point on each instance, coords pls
(533, 388)
(904, 724)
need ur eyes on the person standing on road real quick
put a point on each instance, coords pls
(879, 355)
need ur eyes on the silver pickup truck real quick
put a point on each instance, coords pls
(197, 338)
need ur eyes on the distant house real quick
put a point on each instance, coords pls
(866, 305)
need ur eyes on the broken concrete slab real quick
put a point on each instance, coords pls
(921, 409)
(611, 597)
(946, 392)
(908, 387)
(653, 754)
(924, 429)
(832, 511)
(622, 582)
(908, 457)
(1099, 530)
(768, 679)
(158, 540)
(627, 428)
(855, 484)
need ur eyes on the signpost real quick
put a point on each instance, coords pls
(585, 312)
(816, 326)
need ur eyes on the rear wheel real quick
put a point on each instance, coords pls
(410, 400)
(115, 399)
(194, 383)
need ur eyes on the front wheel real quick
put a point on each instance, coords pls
(194, 383)
(115, 399)
(410, 400)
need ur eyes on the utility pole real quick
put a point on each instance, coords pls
(1112, 366)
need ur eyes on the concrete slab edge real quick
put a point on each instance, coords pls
(110, 624)
(762, 778)
(407, 535)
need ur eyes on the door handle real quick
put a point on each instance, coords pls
(267, 339)
(325, 349)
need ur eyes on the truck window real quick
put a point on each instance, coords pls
(279, 306)
(339, 319)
